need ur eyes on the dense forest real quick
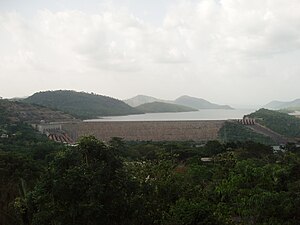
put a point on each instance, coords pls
(167, 183)
(81, 105)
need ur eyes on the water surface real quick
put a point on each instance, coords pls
(203, 114)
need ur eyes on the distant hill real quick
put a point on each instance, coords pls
(274, 105)
(142, 99)
(160, 107)
(80, 104)
(283, 105)
(198, 103)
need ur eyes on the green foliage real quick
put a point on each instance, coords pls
(23, 155)
(85, 185)
(245, 183)
(15, 169)
(23, 139)
(159, 107)
(3, 115)
(257, 193)
(213, 148)
(191, 212)
(232, 132)
(80, 104)
(281, 123)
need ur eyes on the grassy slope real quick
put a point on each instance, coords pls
(82, 105)
(281, 123)
(158, 107)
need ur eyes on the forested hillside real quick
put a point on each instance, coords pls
(81, 105)
(233, 132)
(281, 123)
(26, 112)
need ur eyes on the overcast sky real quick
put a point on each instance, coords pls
(226, 51)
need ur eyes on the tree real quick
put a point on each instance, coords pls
(15, 171)
(191, 212)
(87, 185)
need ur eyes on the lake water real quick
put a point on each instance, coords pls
(203, 114)
(296, 113)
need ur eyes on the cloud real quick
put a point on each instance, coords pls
(216, 44)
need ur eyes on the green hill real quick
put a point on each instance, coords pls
(81, 104)
(159, 107)
(281, 123)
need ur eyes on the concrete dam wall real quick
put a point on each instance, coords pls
(147, 130)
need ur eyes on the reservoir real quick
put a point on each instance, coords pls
(202, 114)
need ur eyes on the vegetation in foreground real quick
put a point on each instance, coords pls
(167, 183)
(144, 183)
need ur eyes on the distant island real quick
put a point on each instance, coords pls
(199, 103)
(188, 101)
(143, 99)
(161, 107)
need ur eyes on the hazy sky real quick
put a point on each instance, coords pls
(226, 51)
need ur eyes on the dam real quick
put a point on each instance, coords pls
(198, 130)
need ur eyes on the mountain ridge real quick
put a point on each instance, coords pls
(161, 107)
(184, 100)
(282, 104)
(143, 99)
(199, 103)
